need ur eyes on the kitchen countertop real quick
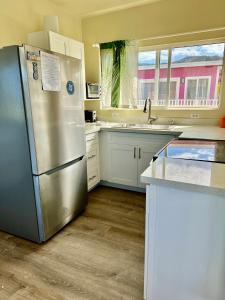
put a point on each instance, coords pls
(182, 131)
(196, 175)
(91, 128)
(200, 175)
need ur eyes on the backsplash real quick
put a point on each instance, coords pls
(164, 116)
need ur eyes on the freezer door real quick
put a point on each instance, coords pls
(63, 195)
(55, 119)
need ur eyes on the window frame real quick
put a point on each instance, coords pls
(169, 47)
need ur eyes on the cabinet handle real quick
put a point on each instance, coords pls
(134, 152)
(92, 156)
(139, 153)
(91, 140)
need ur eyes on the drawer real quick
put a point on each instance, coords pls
(92, 137)
(91, 142)
(93, 177)
(92, 160)
(93, 168)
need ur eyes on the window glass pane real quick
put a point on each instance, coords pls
(203, 88)
(146, 89)
(146, 75)
(164, 57)
(191, 89)
(199, 69)
(163, 74)
(173, 90)
(163, 90)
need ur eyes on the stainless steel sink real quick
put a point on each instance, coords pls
(150, 126)
(145, 126)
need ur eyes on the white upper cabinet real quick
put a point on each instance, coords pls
(57, 43)
(75, 49)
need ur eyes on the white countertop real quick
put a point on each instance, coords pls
(185, 132)
(201, 175)
(178, 172)
(91, 128)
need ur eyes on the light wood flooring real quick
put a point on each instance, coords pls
(100, 255)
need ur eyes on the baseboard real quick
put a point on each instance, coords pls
(123, 187)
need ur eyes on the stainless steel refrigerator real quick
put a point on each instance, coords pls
(43, 176)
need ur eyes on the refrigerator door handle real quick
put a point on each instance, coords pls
(64, 166)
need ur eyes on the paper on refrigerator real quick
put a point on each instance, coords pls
(50, 72)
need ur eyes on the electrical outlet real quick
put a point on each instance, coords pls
(195, 116)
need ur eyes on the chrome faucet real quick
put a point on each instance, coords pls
(148, 102)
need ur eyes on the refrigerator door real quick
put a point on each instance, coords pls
(55, 118)
(17, 200)
(62, 195)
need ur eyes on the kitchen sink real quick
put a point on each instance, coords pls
(150, 126)
(145, 126)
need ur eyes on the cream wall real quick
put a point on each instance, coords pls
(161, 18)
(19, 17)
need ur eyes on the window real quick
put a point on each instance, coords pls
(181, 77)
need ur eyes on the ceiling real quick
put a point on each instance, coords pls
(87, 8)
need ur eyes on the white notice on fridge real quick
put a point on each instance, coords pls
(50, 71)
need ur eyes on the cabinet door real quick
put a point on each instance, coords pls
(145, 156)
(123, 164)
(58, 43)
(75, 49)
(147, 150)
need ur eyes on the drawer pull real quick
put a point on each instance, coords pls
(92, 156)
(91, 140)
(91, 178)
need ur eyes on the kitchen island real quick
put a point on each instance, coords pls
(185, 230)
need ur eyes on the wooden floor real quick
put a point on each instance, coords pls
(100, 255)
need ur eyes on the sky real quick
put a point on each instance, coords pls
(149, 57)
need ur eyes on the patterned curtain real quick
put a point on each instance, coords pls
(115, 72)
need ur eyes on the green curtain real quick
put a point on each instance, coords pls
(118, 48)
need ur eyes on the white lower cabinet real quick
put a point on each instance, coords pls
(92, 152)
(145, 155)
(122, 164)
(124, 156)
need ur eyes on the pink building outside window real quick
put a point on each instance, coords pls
(195, 76)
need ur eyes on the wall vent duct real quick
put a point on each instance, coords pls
(51, 23)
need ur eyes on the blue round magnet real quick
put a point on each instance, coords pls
(70, 87)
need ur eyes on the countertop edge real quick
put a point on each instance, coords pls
(183, 131)
(146, 179)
